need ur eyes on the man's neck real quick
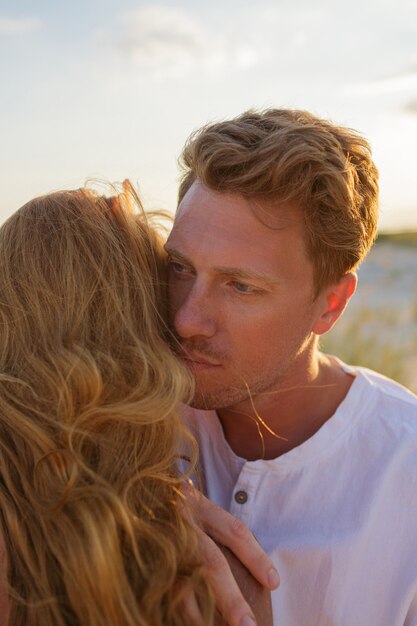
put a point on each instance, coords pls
(274, 423)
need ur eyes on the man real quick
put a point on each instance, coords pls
(318, 459)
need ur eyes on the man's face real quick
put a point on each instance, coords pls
(241, 296)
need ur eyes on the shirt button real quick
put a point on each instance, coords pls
(241, 497)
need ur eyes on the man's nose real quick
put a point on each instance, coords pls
(195, 315)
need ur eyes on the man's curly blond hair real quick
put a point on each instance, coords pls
(287, 156)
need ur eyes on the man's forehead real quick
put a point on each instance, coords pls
(207, 208)
(230, 231)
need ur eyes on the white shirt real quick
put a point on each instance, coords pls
(337, 514)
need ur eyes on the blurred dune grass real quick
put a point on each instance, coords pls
(379, 328)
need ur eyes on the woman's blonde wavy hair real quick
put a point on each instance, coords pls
(91, 516)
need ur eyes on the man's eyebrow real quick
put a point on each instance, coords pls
(238, 272)
(232, 272)
(178, 255)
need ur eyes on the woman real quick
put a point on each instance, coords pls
(91, 516)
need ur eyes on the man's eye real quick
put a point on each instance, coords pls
(179, 268)
(243, 287)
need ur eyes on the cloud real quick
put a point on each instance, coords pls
(13, 26)
(165, 41)
(401, 83)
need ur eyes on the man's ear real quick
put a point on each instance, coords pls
(335, 297)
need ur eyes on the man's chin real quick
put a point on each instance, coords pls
(204, 403)
(216, 399)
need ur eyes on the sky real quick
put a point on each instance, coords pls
(106, 89)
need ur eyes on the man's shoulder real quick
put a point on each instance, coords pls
(393, 402)
(387, 386)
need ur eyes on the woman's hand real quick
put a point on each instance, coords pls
(215, 525)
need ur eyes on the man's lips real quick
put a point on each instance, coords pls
(195, 360)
